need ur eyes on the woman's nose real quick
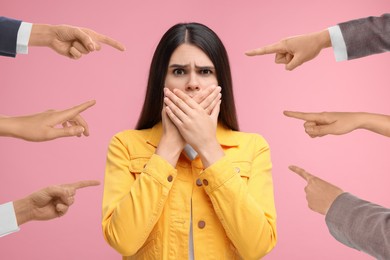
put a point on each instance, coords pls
(193, 83)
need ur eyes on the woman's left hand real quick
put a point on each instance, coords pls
(197, 127)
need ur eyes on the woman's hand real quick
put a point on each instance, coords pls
(172, 142)
(195, 124)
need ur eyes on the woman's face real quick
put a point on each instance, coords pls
(190, 70)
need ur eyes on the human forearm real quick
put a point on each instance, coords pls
(9, 126)
(376, 123)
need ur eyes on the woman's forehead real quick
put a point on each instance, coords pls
(187, 54)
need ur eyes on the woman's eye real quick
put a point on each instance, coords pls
(178, 72)
(206, 72)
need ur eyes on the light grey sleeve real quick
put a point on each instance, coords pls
(366, 36)
(360, 224)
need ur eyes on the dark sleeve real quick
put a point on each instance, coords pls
(366, 36)
(8, 35)
(360, 224)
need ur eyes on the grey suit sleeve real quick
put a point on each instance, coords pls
(360, 224)
(366, 36)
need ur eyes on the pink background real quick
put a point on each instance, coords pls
(41, 80)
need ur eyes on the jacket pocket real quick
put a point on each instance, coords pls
(137, 164)
(243, 168)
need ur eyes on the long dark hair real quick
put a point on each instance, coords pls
(204, 38)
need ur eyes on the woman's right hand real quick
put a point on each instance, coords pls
(208, 98)
(172, 142)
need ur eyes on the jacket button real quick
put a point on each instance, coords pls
(205, 182)
(201, 224)
(237, 169)
(198, 182)
(170, 178)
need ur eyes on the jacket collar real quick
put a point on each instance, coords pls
(225, 136)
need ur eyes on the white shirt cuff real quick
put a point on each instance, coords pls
(23, 38)
(8, 222)
(338, 43)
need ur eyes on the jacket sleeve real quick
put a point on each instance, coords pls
(366, 36)
(245, 209)
(8, 36)
(361, 225)
(133, 199)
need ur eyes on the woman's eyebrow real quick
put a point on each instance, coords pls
(188, 65)
(204, 67)
(178, 66)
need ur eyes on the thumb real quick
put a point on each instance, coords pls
(61, 209)
(295, 62)
(84, 38)
(318, 130)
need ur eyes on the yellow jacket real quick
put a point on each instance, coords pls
(147, 202)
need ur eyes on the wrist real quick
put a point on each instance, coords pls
(23, 211)
(362, 120)
(41, 35)
(169, 150)
(210, 154)
(324, 39)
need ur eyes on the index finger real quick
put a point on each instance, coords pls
(302, 115)
(203, 94)
(74, 111)
(83, 184)
(301, 172)
(110, 41)
(187, 102)
(269, 49)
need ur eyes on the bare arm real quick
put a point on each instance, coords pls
(338, 123)
(42, 126)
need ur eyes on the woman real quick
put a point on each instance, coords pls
(186, 184)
